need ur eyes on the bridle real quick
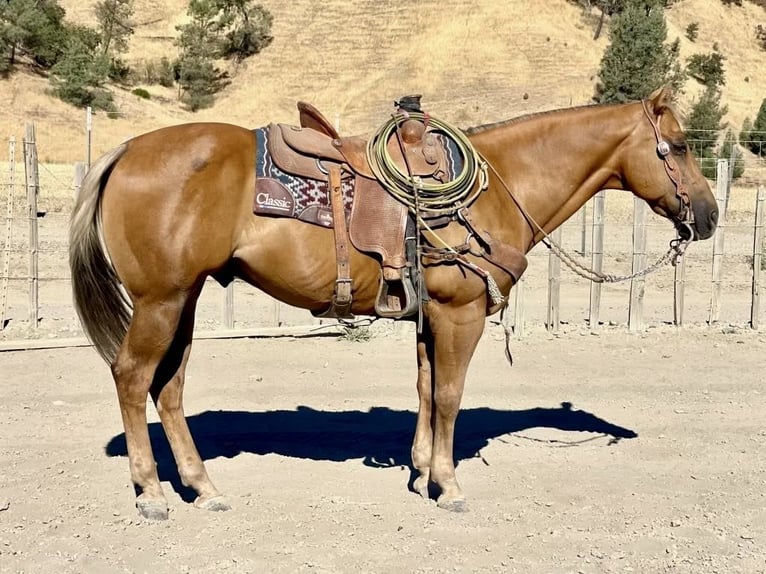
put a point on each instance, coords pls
(684, 219)
(685, 215)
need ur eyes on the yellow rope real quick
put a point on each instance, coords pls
(434, 198)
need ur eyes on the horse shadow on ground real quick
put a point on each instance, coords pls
(380, 437)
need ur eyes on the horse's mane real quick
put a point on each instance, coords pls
(484, 127)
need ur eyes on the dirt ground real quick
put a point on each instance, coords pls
(615, 452)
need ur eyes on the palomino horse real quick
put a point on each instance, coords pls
(163, 211)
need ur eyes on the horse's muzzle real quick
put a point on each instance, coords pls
(705, 224)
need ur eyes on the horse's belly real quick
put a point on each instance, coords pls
(296, 263)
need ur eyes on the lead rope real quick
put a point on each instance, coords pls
(675, 251)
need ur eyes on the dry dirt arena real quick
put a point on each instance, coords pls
(611, 452)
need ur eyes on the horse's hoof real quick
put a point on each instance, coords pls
(215, 504)
(456, 505)
(421, 487)
(152, 509)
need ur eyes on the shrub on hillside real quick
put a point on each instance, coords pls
(154, 72)
(141, 93)
(707, 68)
(760, 36)
(692, 31)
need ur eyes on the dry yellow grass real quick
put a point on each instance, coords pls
(474, 61)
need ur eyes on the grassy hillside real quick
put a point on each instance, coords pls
(474, 61)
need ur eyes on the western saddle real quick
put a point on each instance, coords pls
(378, 223)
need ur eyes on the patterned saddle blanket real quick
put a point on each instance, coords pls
(283, 194)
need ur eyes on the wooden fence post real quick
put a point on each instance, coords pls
(755, 307)
(638, 284)
(276, 314)
(519, 322)
(722, 184)
(88, 134)
(597, 258)
(679, 285)
(554, 284)
(8, 230)
(33, 188)
(227, 317)
(79, 175)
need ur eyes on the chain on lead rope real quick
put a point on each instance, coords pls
(673, 255)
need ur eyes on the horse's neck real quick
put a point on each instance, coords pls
(547, 166)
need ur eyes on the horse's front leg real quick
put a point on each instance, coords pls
(422, 444)
(456, 332)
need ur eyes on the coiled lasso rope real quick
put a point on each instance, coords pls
(423, 196)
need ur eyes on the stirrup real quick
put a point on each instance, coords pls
(407, 292)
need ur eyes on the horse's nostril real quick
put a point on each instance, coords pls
(714, 217)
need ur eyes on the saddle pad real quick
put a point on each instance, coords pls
(455, 161)
(282, 194)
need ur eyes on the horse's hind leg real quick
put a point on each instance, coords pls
(151, 332)
(167, 393)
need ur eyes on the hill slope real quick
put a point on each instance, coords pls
(474, 61)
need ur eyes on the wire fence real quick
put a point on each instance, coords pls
(35, 301)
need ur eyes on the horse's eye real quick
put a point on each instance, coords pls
(680, 148)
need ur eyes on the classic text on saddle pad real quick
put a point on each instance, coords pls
(281, 194)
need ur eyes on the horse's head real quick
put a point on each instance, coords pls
(662, 170)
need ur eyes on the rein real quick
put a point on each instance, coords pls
(677, 246)
(675, 251)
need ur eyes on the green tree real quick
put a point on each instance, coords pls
(637, 59)
(747, 127)
(246, 28)
(703, 126)
(760, 36)
(613, 7)
(199, 80)
(198, 77)
(692, 31)
(707, 68)
(34, 28)
(217, 29)
(115, 28)
(80, 74)
(756, 140)
(115, 25)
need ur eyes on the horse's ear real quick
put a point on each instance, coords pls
(661, 99)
